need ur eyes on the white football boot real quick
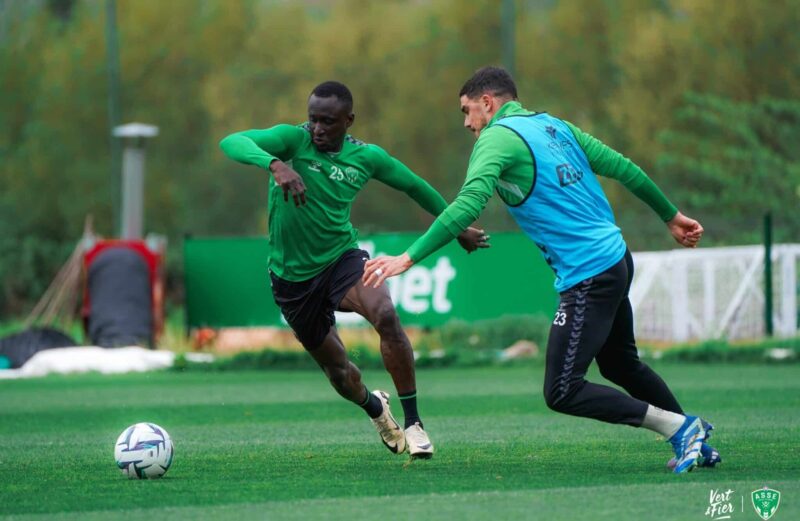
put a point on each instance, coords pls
(390, 431)
(419, 445)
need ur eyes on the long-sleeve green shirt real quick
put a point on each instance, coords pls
(501, 161)
(305, 240)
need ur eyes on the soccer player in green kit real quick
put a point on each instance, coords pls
(315, 264)
(545, 170)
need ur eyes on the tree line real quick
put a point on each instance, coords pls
(703, 94)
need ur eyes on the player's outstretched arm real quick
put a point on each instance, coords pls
(686, 231)
(397, 175)
(377, 270)
(485, 166)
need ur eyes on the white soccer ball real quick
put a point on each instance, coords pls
(143, 451)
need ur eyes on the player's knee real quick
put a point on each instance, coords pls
(386, 321)
(619, 371)
(560, 395)
(610, 372)
(554, 398)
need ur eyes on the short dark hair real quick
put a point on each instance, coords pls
(329, 89)
(494, 80)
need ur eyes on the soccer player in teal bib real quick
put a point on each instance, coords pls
(315, 264)
(545, 171)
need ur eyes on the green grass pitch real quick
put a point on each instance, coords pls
(283, 445)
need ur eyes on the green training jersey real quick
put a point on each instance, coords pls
(502, 162)
(304, 240)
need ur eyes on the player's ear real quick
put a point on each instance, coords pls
(350, 118)
(486, 102)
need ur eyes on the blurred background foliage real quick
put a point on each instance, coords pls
(701, 93)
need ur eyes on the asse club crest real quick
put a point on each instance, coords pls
(766, 502)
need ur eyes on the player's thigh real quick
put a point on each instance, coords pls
(572, 343)
(582, 324)
(374, 304)
(619, 349)
(304, 306)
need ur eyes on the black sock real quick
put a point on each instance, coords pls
(372, 405)
(409, 403)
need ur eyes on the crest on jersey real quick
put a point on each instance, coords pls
(351, 174)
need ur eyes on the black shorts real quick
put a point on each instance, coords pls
(308, 306)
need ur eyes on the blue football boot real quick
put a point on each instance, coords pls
(687, 443)
(709, 456)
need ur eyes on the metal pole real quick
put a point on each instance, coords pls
(114, 115)
(133, 190)
(768, 274)
(134, 135)
(508, 36)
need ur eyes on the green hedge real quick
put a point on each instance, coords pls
(363, 357)
(462, 344)
(488, 335)
(719, 351)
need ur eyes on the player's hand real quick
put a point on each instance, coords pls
(687, 232)
(472, 238)
(379, 269)
(290, 181)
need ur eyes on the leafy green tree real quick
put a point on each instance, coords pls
(619, 69)
(732, 162)
(743, 50)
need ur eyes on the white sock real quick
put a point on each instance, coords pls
(663, 422)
